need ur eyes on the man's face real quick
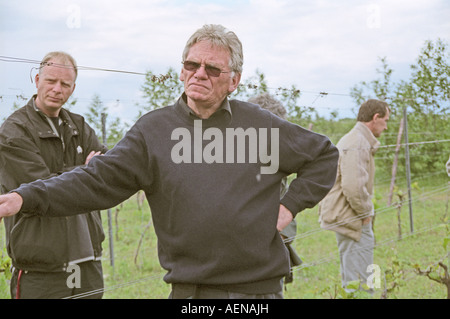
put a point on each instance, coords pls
(55, 84)
(204, 90)
(379, 124)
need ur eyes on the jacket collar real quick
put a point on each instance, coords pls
(373, 141)
(39, 120)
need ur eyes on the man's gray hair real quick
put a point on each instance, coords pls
(66, 61)
(218, 35)
(268, 102)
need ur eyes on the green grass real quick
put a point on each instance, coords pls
(135, 268)
(319, 277)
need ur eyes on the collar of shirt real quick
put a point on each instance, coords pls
(34, 103)
(55, 124)
(39, 111)
(225, 107)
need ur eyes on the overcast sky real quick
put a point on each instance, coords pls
(318, 46)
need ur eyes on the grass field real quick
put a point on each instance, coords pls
(139, 275)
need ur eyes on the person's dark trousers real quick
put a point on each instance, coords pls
(85, 282)
(188, 291)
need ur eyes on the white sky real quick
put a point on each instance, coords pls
(318, 46)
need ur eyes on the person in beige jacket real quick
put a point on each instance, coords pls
(348, 209)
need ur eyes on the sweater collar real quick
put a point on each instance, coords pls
(225, 107)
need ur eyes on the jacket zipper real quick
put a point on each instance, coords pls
(55, 131)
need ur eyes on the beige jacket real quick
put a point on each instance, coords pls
(350, 199)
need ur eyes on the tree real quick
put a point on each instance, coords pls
(257, 84)
(380, 88)
(426, 97)
(160, 91)
(114, 129)
(253, 86)
(430, 79)
(439, 272)
(16, 106)
(70, 103)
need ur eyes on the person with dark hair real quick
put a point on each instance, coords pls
(38, 141)
(211, 169)
(348, 209)
(367, 112)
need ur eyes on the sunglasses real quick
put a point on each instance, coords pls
(210, 70)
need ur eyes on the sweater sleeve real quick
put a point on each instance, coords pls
(105, 182)
(314, 159)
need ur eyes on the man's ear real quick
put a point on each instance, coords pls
(375, 117)
(234, 82)
(36, 80)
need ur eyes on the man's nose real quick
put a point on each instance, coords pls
(201, 72)
(57, 87)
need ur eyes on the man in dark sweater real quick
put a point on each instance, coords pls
(211, 169)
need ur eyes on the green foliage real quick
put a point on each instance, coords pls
(257, 84)
(94, 117)
(70, 103)
(5, 265)
(430, 79)
(354, 290)
(160, 91)
(394, 275)
(439, 271)
(378, 88)
(426, 97)
(16, 106)
(253, 86)
(114, 129)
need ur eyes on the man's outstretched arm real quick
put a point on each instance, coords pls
(10, 204)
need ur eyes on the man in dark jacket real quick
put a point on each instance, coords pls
(51, 257)
(211, 169)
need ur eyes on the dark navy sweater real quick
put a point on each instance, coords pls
(214, 213)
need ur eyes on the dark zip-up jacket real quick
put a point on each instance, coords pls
(31, 150)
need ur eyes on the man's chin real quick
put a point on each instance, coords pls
(54, 104)
(197, 97)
